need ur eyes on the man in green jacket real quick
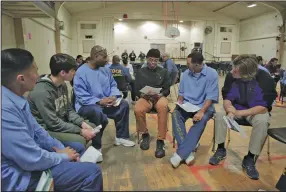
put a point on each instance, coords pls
(51, 106)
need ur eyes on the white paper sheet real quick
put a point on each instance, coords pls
(188, 107)
(150, 90)
(232, 124)
(118, 101)
(97, 129)
(91, 155)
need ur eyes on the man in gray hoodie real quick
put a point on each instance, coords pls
(51, 107)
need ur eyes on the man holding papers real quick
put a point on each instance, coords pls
(248, 94)
(198, 91)
(152, 88)
(96, 95)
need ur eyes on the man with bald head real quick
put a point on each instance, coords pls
(96, 93)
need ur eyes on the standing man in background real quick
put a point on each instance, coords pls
(124, 57)
(142, 57)
(132, 57)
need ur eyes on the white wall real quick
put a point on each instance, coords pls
(138, 14)
(39, 37)
(66, 34)
(258, 35)
(7, 32)
(130, 35)
(41, 43)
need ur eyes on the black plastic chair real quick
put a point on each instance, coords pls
(278, 134)
(122, 84)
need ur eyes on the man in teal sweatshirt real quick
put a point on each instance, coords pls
(51, 107)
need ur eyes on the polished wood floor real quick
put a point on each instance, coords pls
(131, 169)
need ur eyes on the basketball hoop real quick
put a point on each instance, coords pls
(172, 32)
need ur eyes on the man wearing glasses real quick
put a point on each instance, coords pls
(156, 77)
(199, 87)
(96, 94)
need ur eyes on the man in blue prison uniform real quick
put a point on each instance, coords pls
(28, 149)
(96, 94)
(199, 86)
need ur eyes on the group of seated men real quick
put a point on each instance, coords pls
(248, 93)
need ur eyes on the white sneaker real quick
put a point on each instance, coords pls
(175, 160)
(190, 159)
(124, 142)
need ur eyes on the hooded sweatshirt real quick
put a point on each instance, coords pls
(52, 109)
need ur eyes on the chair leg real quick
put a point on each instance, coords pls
(213, 148)
(138, 136)
(228, 132)
(268, 145)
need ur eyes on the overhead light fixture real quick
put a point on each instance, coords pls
(251, 5)
(181, 21)
(120, 19)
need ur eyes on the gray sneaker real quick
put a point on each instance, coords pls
(219, 155)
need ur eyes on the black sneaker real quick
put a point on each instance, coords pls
(160, 149)
(249, 165)
(145, 144)
(219, 155)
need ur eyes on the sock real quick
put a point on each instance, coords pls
(250, 155)
(220, 146)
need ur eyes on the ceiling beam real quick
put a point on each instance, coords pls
(7, 13)
(28, 8)
(45, 8)
(24, 11)
(225, 6)
(31, 16)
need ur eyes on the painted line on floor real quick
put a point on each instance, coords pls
(196, 168)
(193, 169)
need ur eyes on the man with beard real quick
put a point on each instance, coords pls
(156, 77)
(96, 94)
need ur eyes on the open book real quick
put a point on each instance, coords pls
(188, 107)
(232, 124)
(150, 90)
(91, 155)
